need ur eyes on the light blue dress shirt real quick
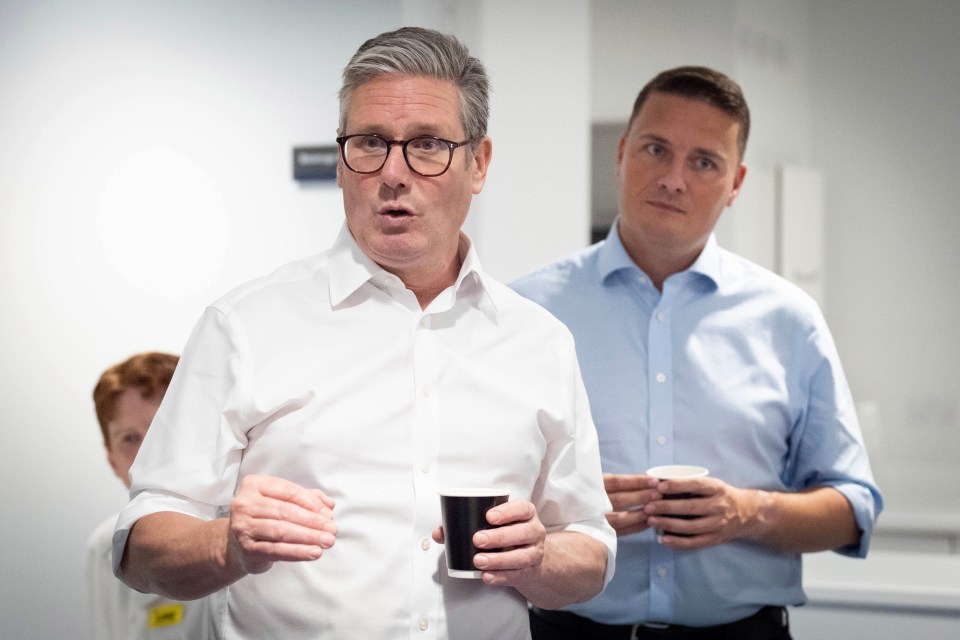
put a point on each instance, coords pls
(732, 368)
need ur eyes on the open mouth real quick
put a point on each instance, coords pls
(395, 213)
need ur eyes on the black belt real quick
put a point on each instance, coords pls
(768, 622)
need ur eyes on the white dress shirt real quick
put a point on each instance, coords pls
(117, 612)
(329, 374)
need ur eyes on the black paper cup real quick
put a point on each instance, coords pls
(464, 512)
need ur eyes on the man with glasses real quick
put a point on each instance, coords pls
(694, 356)
(316, 413)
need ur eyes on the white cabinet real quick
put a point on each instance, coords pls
(891, 595)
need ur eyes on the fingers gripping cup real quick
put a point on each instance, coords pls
(677, 472)
(464, 512)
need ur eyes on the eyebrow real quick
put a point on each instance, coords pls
(421, 129)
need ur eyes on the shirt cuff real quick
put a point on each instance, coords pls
(866, 507)
(602, 532)
(143, 504)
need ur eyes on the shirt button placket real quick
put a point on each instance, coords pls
(426, 595)
(661, 439)
(660, 387)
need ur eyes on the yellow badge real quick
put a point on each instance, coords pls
(165, 616)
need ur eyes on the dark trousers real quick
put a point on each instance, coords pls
(770, 623)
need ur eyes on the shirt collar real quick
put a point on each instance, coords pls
(614, 257)
(473, 280)
(707, 263)
(351, 268)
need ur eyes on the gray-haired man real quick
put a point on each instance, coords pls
(359, 382)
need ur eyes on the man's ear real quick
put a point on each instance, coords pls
(737, 183)
(481, 162)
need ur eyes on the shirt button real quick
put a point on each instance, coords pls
(425, 391)
(661, 316)
(423, 623)
(661, 377)
(661, 440)
(425, 544)
(662, 572)
(425, 467)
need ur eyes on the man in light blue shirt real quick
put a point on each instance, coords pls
(693, 355)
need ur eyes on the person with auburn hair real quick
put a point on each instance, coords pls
(125, 399)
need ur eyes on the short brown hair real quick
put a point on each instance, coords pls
(149, 373)
(703, 84)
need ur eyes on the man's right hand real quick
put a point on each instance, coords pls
(272, 519)
(629, 494)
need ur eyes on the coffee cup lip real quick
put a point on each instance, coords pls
(677, 471)
(473, 492)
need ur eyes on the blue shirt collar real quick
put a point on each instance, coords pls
(613, 257)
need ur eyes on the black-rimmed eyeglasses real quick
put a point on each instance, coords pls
(428, 156)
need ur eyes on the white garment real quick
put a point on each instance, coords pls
(117, 612)
(329, 374)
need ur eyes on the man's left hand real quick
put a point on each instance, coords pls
(516, 544)
(723, 512)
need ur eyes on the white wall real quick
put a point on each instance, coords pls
(887, 129)
(536, 206)
(145, 168)
(762, 44)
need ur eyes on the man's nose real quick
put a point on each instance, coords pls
(395, 170)
(673, 179)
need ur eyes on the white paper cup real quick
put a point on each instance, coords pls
(678, 472)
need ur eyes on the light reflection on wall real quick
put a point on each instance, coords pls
(162, 223)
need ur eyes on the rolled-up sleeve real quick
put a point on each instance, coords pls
(828, 447)
(201, 420)
(571, 495)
